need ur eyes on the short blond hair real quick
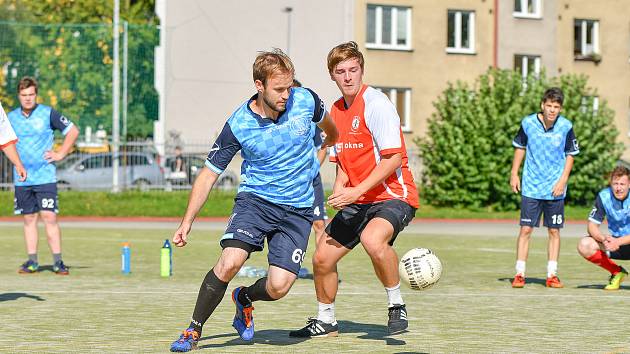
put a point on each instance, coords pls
(269, 63)
(343, 52)
(618, 172)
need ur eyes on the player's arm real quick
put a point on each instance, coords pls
(321, 155)
(595, 218)
(595, 232)
(220, 155)
(520, 144)
(11, 151)
(330, 129)
(560, 186)
(571, 149)
(70, 132)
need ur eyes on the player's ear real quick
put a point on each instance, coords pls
(259, 86)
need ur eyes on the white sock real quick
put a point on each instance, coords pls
(326, 312)
(552, 268)
(393, 296)
(520, 267)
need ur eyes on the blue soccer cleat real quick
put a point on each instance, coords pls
(28, 267)
(244, 317)
(187, 341)
(61, 268)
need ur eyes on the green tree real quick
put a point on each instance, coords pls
(467, 153)
(67, 46)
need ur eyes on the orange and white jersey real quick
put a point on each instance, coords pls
(369, 129)
(7, 135)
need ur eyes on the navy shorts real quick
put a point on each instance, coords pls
(531, 209)
(348, 224)
(622, 253)
(32, 199)
(286, 229)
(319, 209)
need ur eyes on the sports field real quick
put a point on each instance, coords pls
(473, 308)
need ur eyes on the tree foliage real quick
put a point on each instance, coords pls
(67, 45)
(467, 152)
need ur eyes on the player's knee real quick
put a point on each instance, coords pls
(49, 218)
(30, 219)
(278, 288)
(321, 262)
(587, 246)
(526, 232)
(554, 233)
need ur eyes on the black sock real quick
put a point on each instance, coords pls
(255, 292)
(32, 257)
(210, 295)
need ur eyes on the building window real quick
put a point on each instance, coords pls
(586, 35)
(401, 98)
(388, 27)
(594, 103)
(527, 65)
(461, 32)
(528, 8)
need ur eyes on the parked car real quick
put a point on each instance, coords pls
(192, 166)
(94, 171)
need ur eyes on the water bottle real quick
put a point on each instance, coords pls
(126, 258)
(166, 259)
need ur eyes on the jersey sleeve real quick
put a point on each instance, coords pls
(520, 140)
(7, 134)
(59, 122)
(571, 146)
(383, 122)
(320, 107)
(223, 150)
(598, 213)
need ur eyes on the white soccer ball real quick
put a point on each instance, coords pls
(420, 268)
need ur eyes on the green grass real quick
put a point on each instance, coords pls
(472, 310)
(155, 203)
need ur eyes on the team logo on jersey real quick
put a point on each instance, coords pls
(556, 139)
(64, 120)
(298, 126)
(355, 123)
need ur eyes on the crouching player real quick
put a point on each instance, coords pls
(611, 203)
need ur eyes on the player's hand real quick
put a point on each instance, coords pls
(328, 142)
(558, 189)
(21, 171)
(515, 183)
(52, 156)
(611, 243)
(180, 237)
(344, 197)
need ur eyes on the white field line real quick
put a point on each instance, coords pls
(433, 293)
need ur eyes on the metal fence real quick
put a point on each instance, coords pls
(89, 167)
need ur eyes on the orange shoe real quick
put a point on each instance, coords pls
(554, 282)
(519, 281)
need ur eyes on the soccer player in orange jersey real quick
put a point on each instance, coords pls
(374, 192)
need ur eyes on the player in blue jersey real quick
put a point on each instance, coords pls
(319, 208)
(8, 140)
(547, 143)
(34, 125)
(274, 131)
(599, 248)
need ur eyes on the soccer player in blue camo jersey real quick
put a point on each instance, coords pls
(34, 126)
(547, 143)
(274, 131)
(600, 248)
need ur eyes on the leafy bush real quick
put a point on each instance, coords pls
(467, 152)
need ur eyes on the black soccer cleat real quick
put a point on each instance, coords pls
(397, 322)
(316, 328)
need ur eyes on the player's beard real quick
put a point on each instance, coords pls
(273, 105)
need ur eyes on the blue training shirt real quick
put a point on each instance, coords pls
(279, 163)
(616, 211)
(546, 154)
(35, 135)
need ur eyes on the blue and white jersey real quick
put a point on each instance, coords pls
(546, 154)
(35, 135)
(279, 163)
(616, 211)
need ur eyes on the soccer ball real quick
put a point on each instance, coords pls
(420, 268)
